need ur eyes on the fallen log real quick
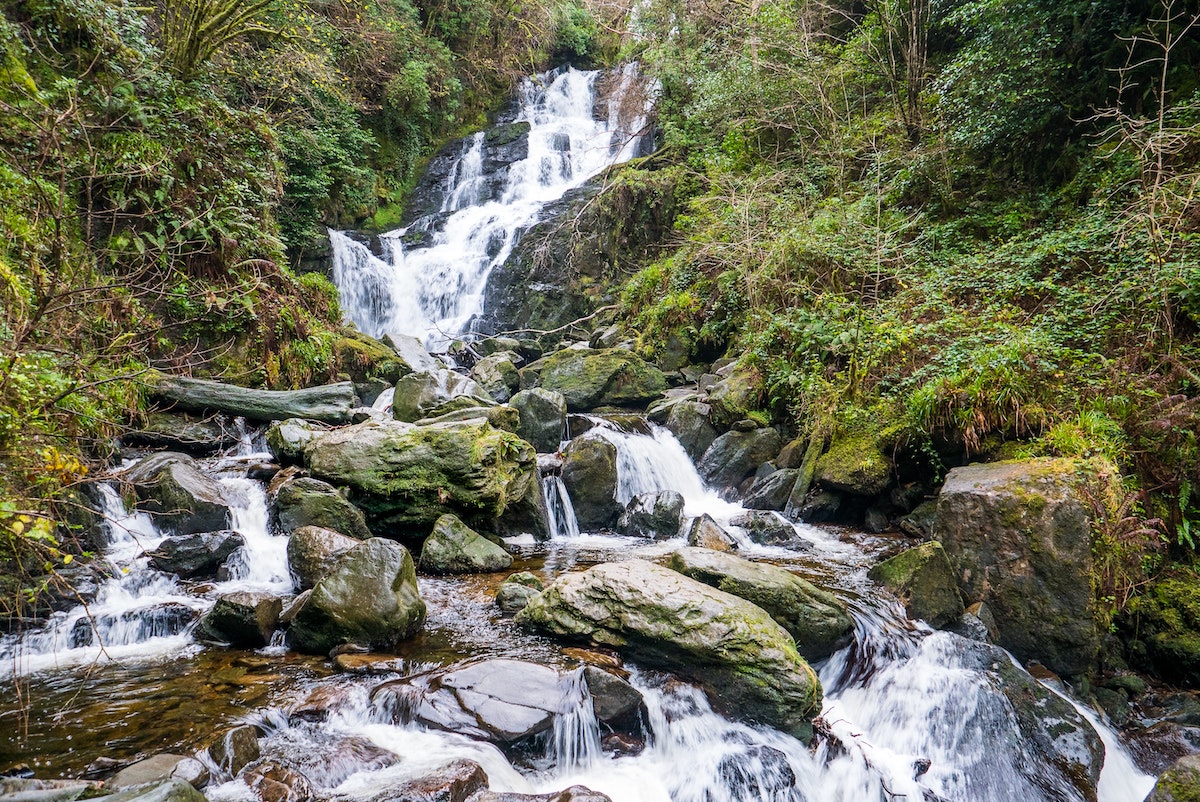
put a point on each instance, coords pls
(330, 403)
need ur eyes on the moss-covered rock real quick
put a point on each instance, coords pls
(658, 616)
(590, 474)
(243, 618)
(735, 396)
(419, 395)
(502, 417)
(1163, 627)
(854, 464)
(516, 591)
(364, 358)
(924, 580)
(286, 439)
(1179, 783)
(588, 379)
(180, 497)
(304, 501)
(314, 551)
(815, 618)
(497, 375)
(454, 548)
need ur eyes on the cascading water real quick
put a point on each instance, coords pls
(560, 514)
(433, 290)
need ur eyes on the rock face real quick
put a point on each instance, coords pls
(310, 502)
(658, 616)
(588, 379)
(180, 497)
(543, 417)
(369, 599)
(652, 515)
(406, 477)
(314, 551)
(418, 395)
(590, 474)
(815, 618)
(196, 555)
(1020, 541)
(454, 548)
(330, 403)
(1179, 783)
(736, 455)
(243, 618)
(924, 580)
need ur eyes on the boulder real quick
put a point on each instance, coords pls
(172, 790)
(922, 521)
(817, 620)
(235, 749)
(305, 501)
(924, 580)
(706, 533)
(419, 394)
(158, 768)
(313, 551)
(589, 473)
(192, 435)
(506, 418)
(1179, 783)
(181, 498)
(854, 464)
(330, 403)
(196, 555)
(652, 515)
(769, 529)
(22, 789)
(286, 439)
(735, 395)
(457, 782)
(454, 548)
(370, 599)
(689, 422)
(543, 417)
(1020, 540)
(516, 591)
(243, 618)
(405, 477)
(663, 619)
(275, 782)
(497, 375)
(364, 358)
(616, 703)
(772, 491)
(588, 379)
(736, 455)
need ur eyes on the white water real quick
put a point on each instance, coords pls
(560, 513)
(434, 291)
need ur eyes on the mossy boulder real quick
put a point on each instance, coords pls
(736, 395)
(1179, 783)
(589, 473)
(817, 620)
(502, 417)
(314, 551)
(1019, 539)
(497, 375)
(924, 580)
(364, 358)
(588, 379)
(419, 395)
(854, 464)
(455, 548)
(369, 599)
(1162, 625)
(543, 418)
(304, 501)
(286, 439)
(516, 591)
(405, 477)
(661, 618)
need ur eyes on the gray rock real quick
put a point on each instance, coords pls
(286, 439)
(460, 781)
(419, 394)
(924, 580)
(412, 352)
(305, 501)
(689, 422)
(817, 620)
(454, 548)
(769, 529)
(243, 618)
(313, 551)
(235, 749)
(196, 555)
(819, 506)
(173, 790)
(1179, 783)
(543, 417)
(199, 436)
(706, 533)
(576, 793)
(589, 473)
(922, 521)
(615, 702)
(330, 403)
(370, 598)
(652, 515)
(772, 491)
(20, 789)
(275, 782)
(663, 619)
(516, 591)
(181, 498)
(734, 456)
(497, 375)
(158, 768)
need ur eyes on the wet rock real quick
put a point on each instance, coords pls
(1179, 783)
(419, 394)
(181, 498)
(652, 515)
(313, 551)
(186, 433)
(921, 522)
(576, 793)
(286, 439)
(616, 703)
(543, 417)
(516, 591)
(235, 749)
(304, 501)
(454, 548)
(158, 620)
(658, 616)
(196, 555)
(854, 464)
(158, 768)
(734, 456)
(689, 422)
(457, 782)
(817, 620)
(977, 624)
(706, 533)
(924, 580)
(819, 507)
(876, 520)
(506, 418)
(364, 358)
(589, 473)
(405, 477)
(321, 702)
(243, 618)
(369, 598)
(769, 529)
(368, 664)
(1020, 540)
(588, 379)
(173, 790)
(330, 403)
(497, 375)
(274, 782)
(772, 491)
(757, 772)
(26, 789)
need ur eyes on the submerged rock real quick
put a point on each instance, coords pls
(370, 598)
(658, 616)
(454, 548)
(180, 497)
(235, 749)
(588, 379)
(817, 620)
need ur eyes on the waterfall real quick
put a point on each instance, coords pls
(261, 563)
(433, 287)
(575, 742)
(560, 514)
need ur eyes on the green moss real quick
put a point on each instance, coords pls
(854, 463)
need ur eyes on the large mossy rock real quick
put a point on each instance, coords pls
(421, 395)
(286, 439)
(365, 358)
(924, 580)
(734, 456)
(370, 599)
(543, 418)
(178, 495)
(454, 548)
(1179, 783)
(1162, 627)
(854, 465)
(748, 662)
(588, 379)
(305, 501)
(1020, 541)
(496, 374)
(405, 477)
(330, 403)
(589, 473)
(815, 618)
(314, 551)
(734, 396)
